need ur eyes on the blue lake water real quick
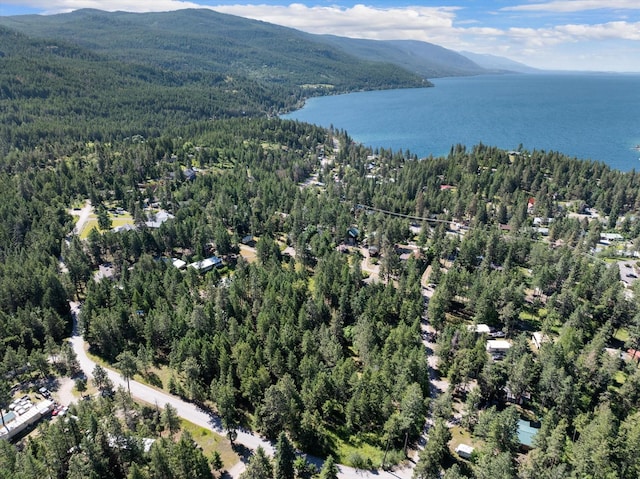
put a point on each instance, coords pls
(589, 116)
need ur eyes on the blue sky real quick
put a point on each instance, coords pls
(602, 35)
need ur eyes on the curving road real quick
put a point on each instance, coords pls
(194, 414)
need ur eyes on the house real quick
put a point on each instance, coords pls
(607, 238)
(23, 413)
(155, 220)
(531, 203)
(206, 264)
(123, 228)
(464, 451)
(498, 346)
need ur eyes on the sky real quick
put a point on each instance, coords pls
(594, 35)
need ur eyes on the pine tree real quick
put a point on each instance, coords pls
(284, 458)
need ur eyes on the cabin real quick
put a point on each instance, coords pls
(353, 234)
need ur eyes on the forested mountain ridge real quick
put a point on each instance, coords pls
(206, 41)
(99, 75)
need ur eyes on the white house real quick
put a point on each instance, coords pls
(206, 264)
(607, 238)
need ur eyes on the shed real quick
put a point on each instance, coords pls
(178, 263)
(464, 451)
(539, 338)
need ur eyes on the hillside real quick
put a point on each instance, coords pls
(207, 41)
(52, 89)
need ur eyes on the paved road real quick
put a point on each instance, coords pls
(194, 414)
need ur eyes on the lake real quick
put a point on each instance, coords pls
(589, 116)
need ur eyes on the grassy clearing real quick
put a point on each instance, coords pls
(459, 436)
(157, 377)
(210, 441)
(116, 221)
(346, 450)
(620, 377)
(249, 254)
(621, 335)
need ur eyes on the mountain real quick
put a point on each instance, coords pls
(201, 40)
(494, 62)
(422, 58)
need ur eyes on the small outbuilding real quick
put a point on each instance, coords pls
(464, 451)
(539, 338)
(479, 328)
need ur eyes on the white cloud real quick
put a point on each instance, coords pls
(567, 6)
(359, 21)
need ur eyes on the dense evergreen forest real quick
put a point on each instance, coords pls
(299, 341)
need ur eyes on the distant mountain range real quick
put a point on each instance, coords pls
(204, 40)
(493, 62)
